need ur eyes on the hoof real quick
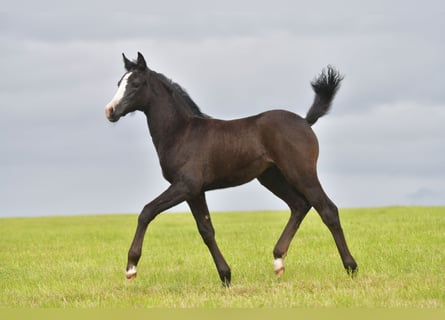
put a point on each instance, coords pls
(352, 272)
(226, 284)
(130, 277)
(279, 272)
(225, 277)
(131, 274)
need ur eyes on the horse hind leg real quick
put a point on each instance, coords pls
(328, 212)
(273, 180)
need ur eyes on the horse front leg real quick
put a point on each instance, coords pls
(274, 180)
(198, 205)
(174, 195)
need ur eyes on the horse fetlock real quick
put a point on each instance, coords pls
(226, 277)
(278, 266)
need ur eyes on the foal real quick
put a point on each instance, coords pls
(198, 153)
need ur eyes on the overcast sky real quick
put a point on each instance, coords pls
(382, 144)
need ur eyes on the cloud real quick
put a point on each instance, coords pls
(425, 196)
(391, 139)
(62, 61)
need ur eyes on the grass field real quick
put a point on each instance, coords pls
(78, 262)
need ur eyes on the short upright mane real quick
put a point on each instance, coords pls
(177, 90)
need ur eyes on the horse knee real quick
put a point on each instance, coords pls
(146, 216)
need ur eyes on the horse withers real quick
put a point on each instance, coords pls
(198, 153)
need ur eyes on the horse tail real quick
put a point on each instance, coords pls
(325, 87)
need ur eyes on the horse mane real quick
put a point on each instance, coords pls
(178, 91)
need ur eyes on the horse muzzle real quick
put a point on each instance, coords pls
(110, 112)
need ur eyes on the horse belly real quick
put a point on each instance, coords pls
(231, 169)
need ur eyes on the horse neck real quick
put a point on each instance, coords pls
(166, 117)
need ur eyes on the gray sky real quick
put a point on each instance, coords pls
(382, 144)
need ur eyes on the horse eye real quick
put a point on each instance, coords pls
(136, 84)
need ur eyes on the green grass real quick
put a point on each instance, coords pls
(78, 262)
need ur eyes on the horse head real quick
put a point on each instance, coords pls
(132, 93)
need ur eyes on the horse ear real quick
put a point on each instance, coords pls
(128, 64)
(141, 64)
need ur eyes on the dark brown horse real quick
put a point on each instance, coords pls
(198, 153)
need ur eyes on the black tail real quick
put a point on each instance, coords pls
(325, 87)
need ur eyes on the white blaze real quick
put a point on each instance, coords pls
(120, 93)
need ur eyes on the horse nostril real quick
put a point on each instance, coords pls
(109, 111)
